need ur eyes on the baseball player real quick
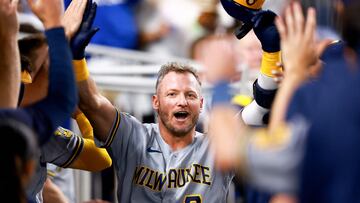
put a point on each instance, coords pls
(163, 162)
(64, 148)
(44, 116)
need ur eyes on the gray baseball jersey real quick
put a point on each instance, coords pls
(61, 149)
(149, 171)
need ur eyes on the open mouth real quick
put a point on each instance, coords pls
(181, 115)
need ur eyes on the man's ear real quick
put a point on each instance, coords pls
(155, 102)
(201, 103)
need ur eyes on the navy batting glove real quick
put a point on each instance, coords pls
(266, 31)
(85, 33)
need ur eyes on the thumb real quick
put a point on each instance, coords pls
(89, 36)
(322, 45)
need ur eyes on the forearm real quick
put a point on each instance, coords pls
(10, 73)
(96, 107)
(281, 103)
(62, 97)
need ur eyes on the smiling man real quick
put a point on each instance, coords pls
(164, 162)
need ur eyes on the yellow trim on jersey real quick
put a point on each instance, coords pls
(92, 158)
(113, 130)
(262, 140)
(252, 4)
(51, 173)
(76, 152)
(26, 77)
(270, 62)
(80, 69)
(84, 126)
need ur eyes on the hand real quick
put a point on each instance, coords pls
(73, 17)
(299, 49)
(218, 58)
(52, 193)
(48, 11)
(9, 24)
(85, 33)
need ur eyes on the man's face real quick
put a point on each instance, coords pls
(178, 103)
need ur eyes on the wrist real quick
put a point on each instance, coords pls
(52, 24)
(80, 69)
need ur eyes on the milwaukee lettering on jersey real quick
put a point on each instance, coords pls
(174, 178)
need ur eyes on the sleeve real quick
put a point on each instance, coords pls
(91, 158)
(126, 135)
(63, 148)
(62, 97)
(273, 162)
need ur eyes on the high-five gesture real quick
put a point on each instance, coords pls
(48, 11)
(73, 17)
(300, 56)
(300, 50)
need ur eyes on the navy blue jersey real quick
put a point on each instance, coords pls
(46, 115)
(331, 165)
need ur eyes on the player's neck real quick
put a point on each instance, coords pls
(176, 143)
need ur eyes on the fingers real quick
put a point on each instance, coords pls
(310, 24)
(298, 17)
(90, 35)
(92, 13)
(280, 25)
(289, 19)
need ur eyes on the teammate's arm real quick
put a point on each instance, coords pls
(9, 55)
(100, 112)
(97, 108)
(52, 111)
(300, 53)
(91, 158)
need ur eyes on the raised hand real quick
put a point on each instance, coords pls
(300, 50)
(84, 34)
(73, 17)
(9, 24)
(48, 11)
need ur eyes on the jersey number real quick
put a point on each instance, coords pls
(192, 199)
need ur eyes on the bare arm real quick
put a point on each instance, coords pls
(9, 55)
(100, 112)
